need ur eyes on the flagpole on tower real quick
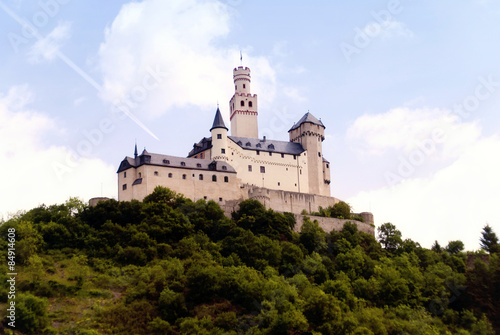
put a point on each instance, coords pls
(241, 58)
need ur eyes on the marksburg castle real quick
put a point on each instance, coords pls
(287, 176)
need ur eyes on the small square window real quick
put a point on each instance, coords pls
(198, 165)
(183, 163)
(200, 177)
(124, 187)
(214, 178)
(262, 169)
(184, 176)
(170, 175)
(258, 152)
(294, 157)
(270, 154)
(220, 199)
(219, 136)
(222, 151)
(205, 197)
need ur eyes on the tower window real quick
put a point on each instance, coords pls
(200, 177)
(170, 175)
(219, 136)
(242, 103)
(220, 199)
(270, 154)
(258, 152)
(140, 175)
(282, 155)
(156, 173)
(184, 176)
(279, 184)
(235, 87)
(250, 104)
(319, 154)
(226, 179)
(262, 169)
(125, 174)
(244, 86)
(222, 151)
(327, 166)
(124, 187)
(214, 178)
(249, 168)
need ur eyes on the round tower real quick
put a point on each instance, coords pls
(219, 138)
(243, 106)
(310, 132)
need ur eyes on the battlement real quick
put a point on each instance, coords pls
(241, 70)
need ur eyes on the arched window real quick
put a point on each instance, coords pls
(250, 104)
(226, 179)
(184, 176)
(242, 103)
(214, 178)
(200, 177)
(170, 175)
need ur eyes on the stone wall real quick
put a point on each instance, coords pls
(329, 224)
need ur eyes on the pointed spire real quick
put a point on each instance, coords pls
(135, 151)
(218, 121)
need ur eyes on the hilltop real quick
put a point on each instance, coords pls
(169, 265)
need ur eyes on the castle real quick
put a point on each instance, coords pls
(287, 176)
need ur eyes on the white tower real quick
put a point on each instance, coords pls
(219, 138)
(243, 106)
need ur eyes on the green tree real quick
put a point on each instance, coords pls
(31, 313)
(389, 236)
(340, 210)
(489, 240)
(454, 247)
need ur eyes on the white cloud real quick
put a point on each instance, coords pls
(28, 177)
(454, 201)
(294, 94)
(405, 130)
(180, 39)
(48, 47)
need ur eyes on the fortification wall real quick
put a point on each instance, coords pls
(329, 224)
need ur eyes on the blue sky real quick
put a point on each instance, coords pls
(409, 92)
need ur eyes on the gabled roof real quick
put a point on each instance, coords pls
(218, 121)
(282, 147)
(177, 162)
(307, 118)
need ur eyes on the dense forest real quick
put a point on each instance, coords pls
(169, 265)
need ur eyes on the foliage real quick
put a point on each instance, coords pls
(169, 265)
(489, 240)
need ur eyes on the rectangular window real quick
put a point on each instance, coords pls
(249, 168)
(282, 155)
(124, 187)
(262, 169)
(223, 151)
(201, 155)
(319, 154)
(226, 179)
(219, 136)
(258, 152)
(270, 154)
(294, 157)
(124, 174)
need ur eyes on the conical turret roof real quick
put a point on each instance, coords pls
(307, 118)
(218, 121)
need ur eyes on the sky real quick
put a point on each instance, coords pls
(409, 92)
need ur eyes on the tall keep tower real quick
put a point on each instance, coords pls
(310, 132)
(243, 106)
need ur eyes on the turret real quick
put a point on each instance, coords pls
(219, 138)
(243, 106)
(310, 132)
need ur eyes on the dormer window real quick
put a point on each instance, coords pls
(224, 167)
(198, 165)
(166, 161)
(259, 145)
(270, 146)
(248, 144)
(183, 163)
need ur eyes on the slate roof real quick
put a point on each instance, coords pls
(308, 117)
(218, 121)
(173, 161)
(204, 144)
(282, 147)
